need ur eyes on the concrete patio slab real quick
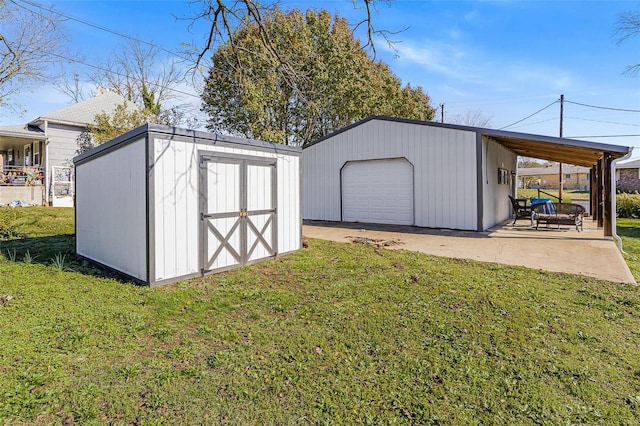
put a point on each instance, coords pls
(585, 253)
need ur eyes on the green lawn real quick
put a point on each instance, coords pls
(333, 334)
(567, 195)
(629, 231)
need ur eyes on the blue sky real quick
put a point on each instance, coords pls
(507, 59)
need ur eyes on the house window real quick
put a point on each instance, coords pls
(10, 157)
(567, 176)
(617, 175)
(503, 176)
(27, 155)
(36, 153)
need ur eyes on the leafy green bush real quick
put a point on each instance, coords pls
(628, 205)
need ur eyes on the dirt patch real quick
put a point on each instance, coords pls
(375, 242)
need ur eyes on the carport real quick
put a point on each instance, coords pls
(600, 158)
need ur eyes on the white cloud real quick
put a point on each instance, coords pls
(440, 58)
(460, 66)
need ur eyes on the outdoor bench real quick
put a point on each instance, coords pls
(559, 214)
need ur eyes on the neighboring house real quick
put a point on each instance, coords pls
(573, 177)
(396, 171)
(30, 152)
(628, 176)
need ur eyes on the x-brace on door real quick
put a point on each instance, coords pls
(237, 210)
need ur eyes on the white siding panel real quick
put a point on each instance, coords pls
(176, 195)
(111, 212)
(289, 208)
(444, 170)
(61, 148)
(258, 187)
(259, 197)
(255, 248)
(496, 197)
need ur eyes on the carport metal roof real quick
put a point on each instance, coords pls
(571, 151)
(579, 153)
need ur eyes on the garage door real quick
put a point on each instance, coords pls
(378, 191)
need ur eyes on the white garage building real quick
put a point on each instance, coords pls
(161, 204)
(395, 171)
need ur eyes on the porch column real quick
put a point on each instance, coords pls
(608, 214)
(599, 194)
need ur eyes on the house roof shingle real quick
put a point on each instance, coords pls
(22, 131)
(84, 112)
(632, 164)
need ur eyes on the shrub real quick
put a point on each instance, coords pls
(628, 205)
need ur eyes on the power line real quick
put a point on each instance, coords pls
(77, 61)
(91, 24)
(602, 107)
(114, 72)
(601, 136)
(529, 116)
(537, 122)
(604, 121)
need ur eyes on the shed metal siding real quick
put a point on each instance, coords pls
(110, 221)
(177, 225)
(444, 163)
(289, 207)
(496, 197)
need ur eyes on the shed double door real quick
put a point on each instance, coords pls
(238, 211)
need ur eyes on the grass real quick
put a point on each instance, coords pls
(566, 194)
(629, 231)
(333, 334)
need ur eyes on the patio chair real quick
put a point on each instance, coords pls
(520, 208)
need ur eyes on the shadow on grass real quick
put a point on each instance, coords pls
(629, 231)
(57, 251)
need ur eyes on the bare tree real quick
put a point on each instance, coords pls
(471, 117)
(136, 70)
(225, 16)
(31, 42)
(73, 88)
(628, 26)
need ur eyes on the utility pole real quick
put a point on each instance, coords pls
(442, 113)
(560, 167)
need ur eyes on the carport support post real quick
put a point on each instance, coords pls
(593, 193)
(608, 223)
(599, 192)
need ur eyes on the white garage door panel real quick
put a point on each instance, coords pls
(378, 191)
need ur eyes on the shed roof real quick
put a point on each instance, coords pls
(176, 132)
(572, 151)
(84, 112)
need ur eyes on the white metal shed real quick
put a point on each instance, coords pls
(396, 171)
(161, 204)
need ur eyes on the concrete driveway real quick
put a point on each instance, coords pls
(558, 250)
